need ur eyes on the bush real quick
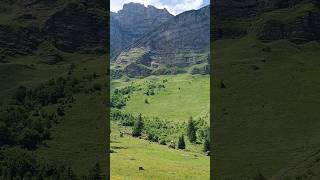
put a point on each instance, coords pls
(163, 142)
(152, 137)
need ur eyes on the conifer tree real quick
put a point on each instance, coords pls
(181, 143)
(191, 131)
(138, 127)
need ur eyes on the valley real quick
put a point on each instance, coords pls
(160, 95)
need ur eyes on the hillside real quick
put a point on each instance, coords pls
(265, 112)
(166, 104)
(52, 67)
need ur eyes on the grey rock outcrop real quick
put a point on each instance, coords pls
(78, 28)
(181, 41)
(19, 41)
(302, 29)
(132, 22)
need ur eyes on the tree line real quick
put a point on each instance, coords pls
(19, 164)
(164, 132)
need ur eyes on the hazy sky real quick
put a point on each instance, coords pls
(173, 6)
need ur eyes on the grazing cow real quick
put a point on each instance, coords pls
(141, 168)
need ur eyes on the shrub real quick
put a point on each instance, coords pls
(163, 142)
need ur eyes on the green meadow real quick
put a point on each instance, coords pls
(266, 117)
(180, 97)
(158, 161)
(185, 95)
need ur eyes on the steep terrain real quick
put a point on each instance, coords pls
(266, 90)
(132, 22)
(180, 42)
(52, 66)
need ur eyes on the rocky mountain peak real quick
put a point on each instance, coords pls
(132, 22)
(182, 41)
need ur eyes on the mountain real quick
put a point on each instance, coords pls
(132, 22)
(182, 41)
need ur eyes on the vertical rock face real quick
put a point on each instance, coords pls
(295, 20)
(300, 29)
(78, 28)
(132, 22)
(189, 31)
(20, 41)
(179, 38)
(182, 41)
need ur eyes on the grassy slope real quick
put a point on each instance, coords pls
(79, 138)
(159, 161)
(26, 71)
(171, 104)
(266, 118)
(192, 99)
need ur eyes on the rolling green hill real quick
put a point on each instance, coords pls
(166, 108)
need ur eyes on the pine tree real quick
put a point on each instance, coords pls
(181, 143)
(191, 131)
(138, 127)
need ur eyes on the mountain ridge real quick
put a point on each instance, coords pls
(182, 41)
(132, 22)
